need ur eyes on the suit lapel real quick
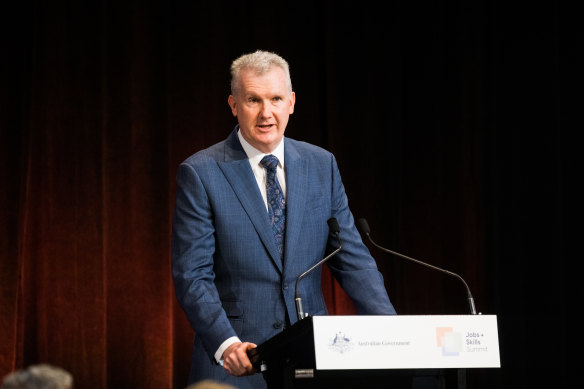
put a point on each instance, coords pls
(238, 173)
(296, 189)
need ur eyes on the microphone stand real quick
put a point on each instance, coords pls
(334, 226)
(365, 229)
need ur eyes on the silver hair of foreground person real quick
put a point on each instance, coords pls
(41, 376)
(210, 384)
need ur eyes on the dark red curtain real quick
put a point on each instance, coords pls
(449, 123)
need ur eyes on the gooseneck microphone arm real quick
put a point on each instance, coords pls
(334, 228)
(364, 228)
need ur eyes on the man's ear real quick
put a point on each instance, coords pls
(233, 104)
(292, 102)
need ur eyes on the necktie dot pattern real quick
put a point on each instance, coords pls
(276, 202)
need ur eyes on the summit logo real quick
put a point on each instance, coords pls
(449, 341)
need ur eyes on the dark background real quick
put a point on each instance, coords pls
(451, 122)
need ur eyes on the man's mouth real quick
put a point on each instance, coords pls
(265, 126)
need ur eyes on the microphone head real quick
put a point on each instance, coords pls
(334, 225)
(363, 226)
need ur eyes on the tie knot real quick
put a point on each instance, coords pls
(270, 162)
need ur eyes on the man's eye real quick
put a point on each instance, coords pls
(277, 98)
(252, 100)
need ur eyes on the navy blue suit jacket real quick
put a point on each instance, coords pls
(228, 274)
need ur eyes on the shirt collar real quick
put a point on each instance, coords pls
(255, 156)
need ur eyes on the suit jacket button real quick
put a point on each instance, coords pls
(278, 325)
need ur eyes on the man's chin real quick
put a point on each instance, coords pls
(268, 142)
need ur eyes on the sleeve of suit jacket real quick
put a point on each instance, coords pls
(193, 247)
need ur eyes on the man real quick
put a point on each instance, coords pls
(246, 225)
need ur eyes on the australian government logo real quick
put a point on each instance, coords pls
(341, 343)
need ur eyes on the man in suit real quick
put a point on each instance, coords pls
(246, 225)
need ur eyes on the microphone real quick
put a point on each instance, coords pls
(335, 229)
(364, 228)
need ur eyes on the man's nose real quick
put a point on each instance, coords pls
(266, 110)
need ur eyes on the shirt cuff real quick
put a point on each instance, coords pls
(228, 342)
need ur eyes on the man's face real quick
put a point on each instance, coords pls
(263, 105)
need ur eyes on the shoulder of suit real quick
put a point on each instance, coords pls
(206, 156)
(306, 148)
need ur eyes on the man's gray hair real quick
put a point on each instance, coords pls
(41, 376)
(260, 62)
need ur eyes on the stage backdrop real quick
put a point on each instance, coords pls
(449, 122)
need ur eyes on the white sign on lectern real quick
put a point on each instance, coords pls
(406, 342)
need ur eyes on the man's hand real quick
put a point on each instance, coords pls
(235, 359)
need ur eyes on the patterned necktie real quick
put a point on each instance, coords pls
(276, 202)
